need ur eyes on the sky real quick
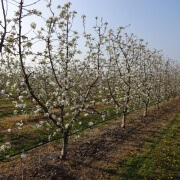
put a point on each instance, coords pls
(155, 21)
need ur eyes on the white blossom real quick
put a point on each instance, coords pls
(23, 156)
(3, 92)
(9, 130)
(20, 98)
(33, 25)
(2, 148)
(86, 114)
(103, 117)
(8, 145)
(90, 123)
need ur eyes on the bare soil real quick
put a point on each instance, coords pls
(96, 153)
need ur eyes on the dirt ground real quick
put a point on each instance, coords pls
(92, 156)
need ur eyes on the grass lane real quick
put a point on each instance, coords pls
(160, 157)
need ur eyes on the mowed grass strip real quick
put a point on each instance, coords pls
(160, 158)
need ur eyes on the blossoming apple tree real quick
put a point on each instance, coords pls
(45, 64)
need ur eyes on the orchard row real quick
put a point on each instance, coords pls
(67, 74)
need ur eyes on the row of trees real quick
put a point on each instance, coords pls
(45, 64)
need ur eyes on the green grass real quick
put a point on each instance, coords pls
(5, 103)
(7, 108)
(27, 139)
(6, 113)
(160, 158)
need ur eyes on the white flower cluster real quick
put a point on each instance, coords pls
(19, 125)
(5, 146)
(90, 123)
(23, 156)
(33, 25)
(20, 98)
(103, 117)
(9, 130)
(2, 92)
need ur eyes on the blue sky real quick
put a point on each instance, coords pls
(156, 21)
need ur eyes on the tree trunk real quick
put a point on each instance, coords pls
(123, 123)
(145, 111)
(65, 147)
(158, 106)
